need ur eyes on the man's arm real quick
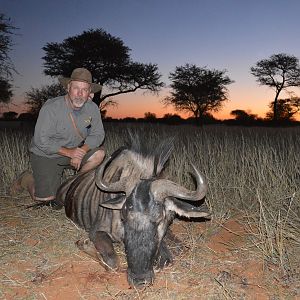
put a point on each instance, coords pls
(45, 130)
(76, 155)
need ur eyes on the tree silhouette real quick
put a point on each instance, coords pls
(280, 71)
(197, 90)
(35, 98)
(149, 116)
(6, 66)
(108, 60)
(172, 119)
(26, 117)
(10, 115)
(242, 117)
(286, 109)
(5, 91)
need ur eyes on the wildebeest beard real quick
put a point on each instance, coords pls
(141, 248)
(142, 216)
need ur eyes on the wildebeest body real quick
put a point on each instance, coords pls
(125, 201)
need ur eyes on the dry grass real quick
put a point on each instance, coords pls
(253, 173)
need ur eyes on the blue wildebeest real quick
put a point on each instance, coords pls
(125, 200)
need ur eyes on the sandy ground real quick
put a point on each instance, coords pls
(39, 260)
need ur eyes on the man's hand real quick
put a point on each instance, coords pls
(76, 163)
(78, 153)
(72, 152)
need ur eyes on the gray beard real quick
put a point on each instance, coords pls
(78, 102)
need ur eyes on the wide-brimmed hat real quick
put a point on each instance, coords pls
(81, 74)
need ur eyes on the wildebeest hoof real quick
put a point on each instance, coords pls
(84, 244)
(109, 263)
(87, 246)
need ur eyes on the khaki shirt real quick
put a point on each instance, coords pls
(54, 128)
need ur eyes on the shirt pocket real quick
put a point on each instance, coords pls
(63, 132)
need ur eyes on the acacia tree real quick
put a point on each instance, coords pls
(6, 66)
(197, 90)
(279, 72)
(286, 109)
(108, 60)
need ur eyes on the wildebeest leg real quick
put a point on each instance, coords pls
(164, 257)
(87, 246)
(101, 249)
(105, 250)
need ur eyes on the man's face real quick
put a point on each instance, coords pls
(78, 93)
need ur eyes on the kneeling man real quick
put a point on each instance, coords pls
(68, 132)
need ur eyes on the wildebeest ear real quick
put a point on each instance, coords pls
(187, 210)
(114, 203)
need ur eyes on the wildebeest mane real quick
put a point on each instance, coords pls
(149, 149)
(139, 160)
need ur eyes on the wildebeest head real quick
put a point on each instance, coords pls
(148, 204)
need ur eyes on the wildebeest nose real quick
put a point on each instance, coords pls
(140, 280)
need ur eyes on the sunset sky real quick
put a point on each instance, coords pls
(218, 34)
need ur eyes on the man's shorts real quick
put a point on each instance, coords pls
(47, 172)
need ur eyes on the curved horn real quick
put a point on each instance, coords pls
(113, 187)
(163, 188)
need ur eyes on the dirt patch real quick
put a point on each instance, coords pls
(39, 260)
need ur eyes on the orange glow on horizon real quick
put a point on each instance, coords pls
(252, 99)
(136, 105)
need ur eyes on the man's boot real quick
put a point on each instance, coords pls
(23, 182)
(54, 204)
